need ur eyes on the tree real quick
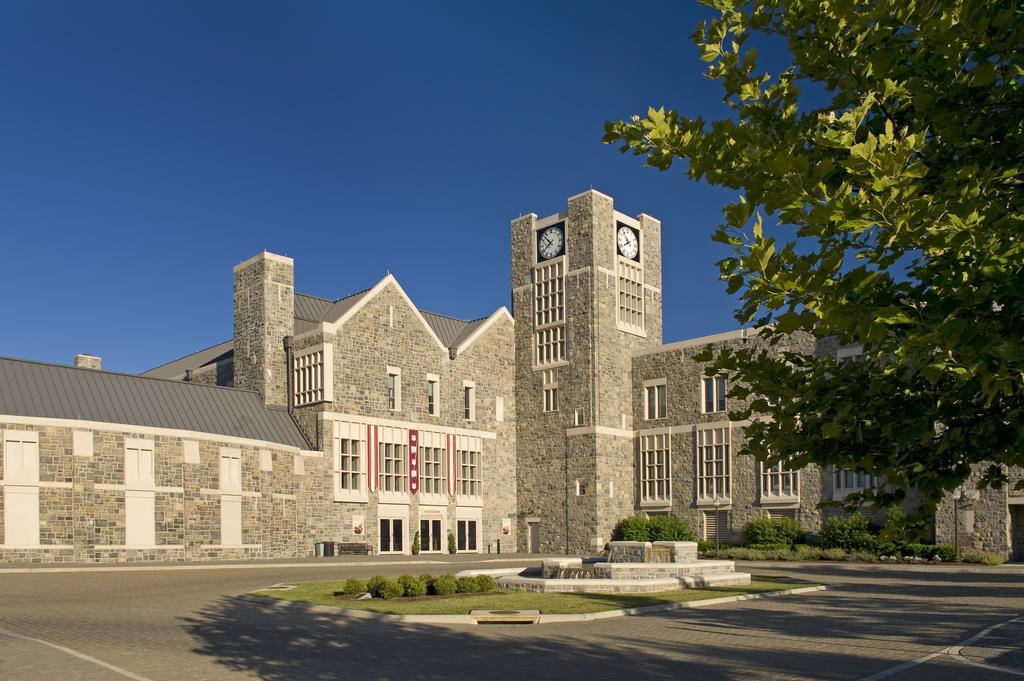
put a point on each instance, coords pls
(894, 220)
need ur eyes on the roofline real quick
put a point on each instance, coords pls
(495, 316)
(265, 255)
(701, 340)
(160, 366)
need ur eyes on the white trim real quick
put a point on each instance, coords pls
(333, 327)
(629, 220)
(394, 423)
(397, 373)
(285, 497)
(495, 316)
(42, 483)
(148, 547)
(541, 223)
(471, 386)
(143, 430)
(591, 191)
(1015, 501)
(599, 430)
(38, 547)
(701, 341)
(265, 255)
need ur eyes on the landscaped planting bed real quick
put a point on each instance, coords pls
(461, 603)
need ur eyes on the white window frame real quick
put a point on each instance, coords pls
(549, 391)
(468, 515)
(433, 380)
(714, 440)
(313, 375)
(21, 490)
(778, 474)
(468, 460)
(656, 469)
(431, 441)
(353, 433)
(469, 400)
(860, 481)
(659, 409)
(549, 311)
(630, 298)
(393, 396)
(720, 388)
(140, 493)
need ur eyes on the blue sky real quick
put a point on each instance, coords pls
(146, 148)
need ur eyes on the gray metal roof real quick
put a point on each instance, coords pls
(51, 390)
(449, 329)
(177, 368)
(311, 308)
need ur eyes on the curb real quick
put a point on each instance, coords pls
(544, 619)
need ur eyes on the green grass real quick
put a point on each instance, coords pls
(320, 593)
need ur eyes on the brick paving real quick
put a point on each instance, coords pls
(188, 625)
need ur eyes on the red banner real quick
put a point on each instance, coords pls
(414, 461)
(371, 457)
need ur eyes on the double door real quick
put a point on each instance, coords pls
(431, 537)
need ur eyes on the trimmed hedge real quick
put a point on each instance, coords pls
(485, 583)
(445, 585)
(389, 588)
(850, 533)
(655, 528)
(773, 531)
(354, 586)
(412, 586)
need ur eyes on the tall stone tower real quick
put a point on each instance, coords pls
(264, 316)
(586, 294)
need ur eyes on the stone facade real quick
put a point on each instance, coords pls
(264, 293)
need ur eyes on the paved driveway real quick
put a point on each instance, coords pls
(186, 624)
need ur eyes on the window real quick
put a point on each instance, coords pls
(432, 470)
(777, 482)
(715, 388)
(654, 401)
(349, 464)
(312, 376)
(393, 474)
(468, 480)
(394, 388)
(430, 536)
(499, 408)
(230, 470)
(138, 464)
(432, 396)
(549, 312)
(716, 525)
(391, 535)
(21, 495)
(631, 296)
(655, 470)
(713, 477)
(467, 535)
(846, 481)
(469, 401)
(550, 390)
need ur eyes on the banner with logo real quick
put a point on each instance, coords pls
(372, 449)
(414, 461)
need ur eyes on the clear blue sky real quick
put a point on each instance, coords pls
(147, 147)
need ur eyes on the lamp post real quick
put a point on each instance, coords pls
(718, 529)
(957, 495)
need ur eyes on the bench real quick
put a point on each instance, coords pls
(351, 549)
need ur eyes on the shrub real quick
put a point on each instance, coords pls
(769, 547)
(452, 547)
(705, 546)
(773, 531)
(373, 583)
(445, 585)
(426, 579)
(412, 586)
(416, 543)
(390, 588)
(833, 554)
(467, 585)
(668, 528)
(849, 533)
(633, 528)
(899, 529)
(805, 552)
(862, 556)
(945, 553)
(354, 586)
(982, 557)
(485, 583)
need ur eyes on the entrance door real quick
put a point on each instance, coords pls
(467, 535)
(1017, 532)
(391, 535)
(534, 546)
(430, 536)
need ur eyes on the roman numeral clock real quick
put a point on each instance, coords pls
(551, 242)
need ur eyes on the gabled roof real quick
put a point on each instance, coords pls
(38, 389)
(176, 369)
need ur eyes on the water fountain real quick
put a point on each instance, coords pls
(631, 567)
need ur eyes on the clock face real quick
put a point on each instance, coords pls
(550, 243)
(629, 245)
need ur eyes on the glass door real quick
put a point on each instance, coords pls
(430, 536)
(391, 535)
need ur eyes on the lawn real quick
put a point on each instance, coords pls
(320, 593)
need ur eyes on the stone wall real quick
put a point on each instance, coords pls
(264, 306)
(82, 499)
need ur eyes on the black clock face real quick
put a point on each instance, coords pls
(627, 240)
(551, 241)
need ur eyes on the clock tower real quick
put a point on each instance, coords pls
(586, 294)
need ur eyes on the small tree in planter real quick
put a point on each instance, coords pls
(451, 544)
(416, 543)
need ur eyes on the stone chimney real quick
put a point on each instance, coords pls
(88, 362)
(264, 294)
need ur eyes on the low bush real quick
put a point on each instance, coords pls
(900, 529)
(633, 528)
(806, 552)
(485, 583)
(412, 586)
(354, 586)
(389, 588)
(426, 579)
(655, 528)
(862, 557)
(467, 585)
(833, 554)
(773, 531)
(445, 585)
(769, 547)
(849, 533)
(705, 546)
(373, 583)
(982, 557)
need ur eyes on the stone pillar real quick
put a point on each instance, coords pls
(88, 362)
(264, 301)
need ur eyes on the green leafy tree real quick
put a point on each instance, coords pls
(879, 181)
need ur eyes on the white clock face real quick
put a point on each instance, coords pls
(550, 243)
(628, 245)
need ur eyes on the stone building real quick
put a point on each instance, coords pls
(366, 421)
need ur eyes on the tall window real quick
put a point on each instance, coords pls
(394, 473)
(349, 464)
(654, 401)
(469, 402)
(432, 470)
(846, 481)
(550, 391)
(468, 460)
(713, 463)
(631, 296)
(778, 482)
(432, 396)
(715, 388)
(655, 470)
(549, 312)
(311, 373)
(394, 388)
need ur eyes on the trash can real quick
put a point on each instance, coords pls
(320, 549)
(329, 549)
